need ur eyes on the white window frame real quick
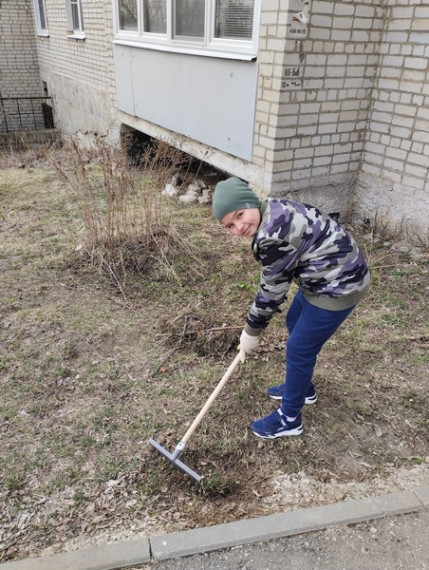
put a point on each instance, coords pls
(207, 46)
(40, 16)
(77, 29)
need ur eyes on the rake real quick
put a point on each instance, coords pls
(174, 457)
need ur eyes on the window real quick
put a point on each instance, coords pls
(41, 21)
(128, 17)
(155, 16)
(234, 19)
(75, 20)
(216, 27)
(189, 19)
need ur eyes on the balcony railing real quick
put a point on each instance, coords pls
(25, 114)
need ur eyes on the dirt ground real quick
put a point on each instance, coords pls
(89, 370)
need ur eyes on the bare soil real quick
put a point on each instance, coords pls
(90, 371)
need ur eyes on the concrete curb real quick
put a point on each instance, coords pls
(108, 557)
(197, 541)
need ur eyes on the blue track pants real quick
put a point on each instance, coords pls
(309, 328)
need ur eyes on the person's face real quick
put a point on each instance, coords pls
(242, 223)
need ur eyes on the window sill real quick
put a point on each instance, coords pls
(77, 36)
(43, 34)
(204, 52)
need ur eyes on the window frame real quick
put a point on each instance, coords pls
(77, 32)
(208, 45)
(40, 31)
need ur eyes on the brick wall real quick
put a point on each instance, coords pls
(315, 92)
(19, 70)
(393, 183)
(89, 59)
(79, 72)
(342, 118)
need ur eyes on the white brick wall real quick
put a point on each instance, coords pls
(324, 115)
(400, 111)
(19, 70)
(79, 72)
(359, 107)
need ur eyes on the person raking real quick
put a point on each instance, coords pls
(293, 242)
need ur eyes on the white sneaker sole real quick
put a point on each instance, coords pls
(308, 401)
(295, 431)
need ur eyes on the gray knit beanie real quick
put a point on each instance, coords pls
(233, 194)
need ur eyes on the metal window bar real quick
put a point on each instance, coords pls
(25, 113)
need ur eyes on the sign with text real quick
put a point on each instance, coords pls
(298, 19)
(291, 77)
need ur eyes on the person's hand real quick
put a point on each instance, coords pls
(248, 343)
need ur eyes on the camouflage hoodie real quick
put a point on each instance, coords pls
(296, 242)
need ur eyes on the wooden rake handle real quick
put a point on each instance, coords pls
(210, 401)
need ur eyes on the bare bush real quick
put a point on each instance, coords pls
(125, 228)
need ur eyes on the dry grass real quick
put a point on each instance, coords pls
(88, 374)
(126, 227)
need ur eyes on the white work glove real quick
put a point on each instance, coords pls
(248, 343)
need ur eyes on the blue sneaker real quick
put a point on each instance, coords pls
(276, 393)
(276, 425)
